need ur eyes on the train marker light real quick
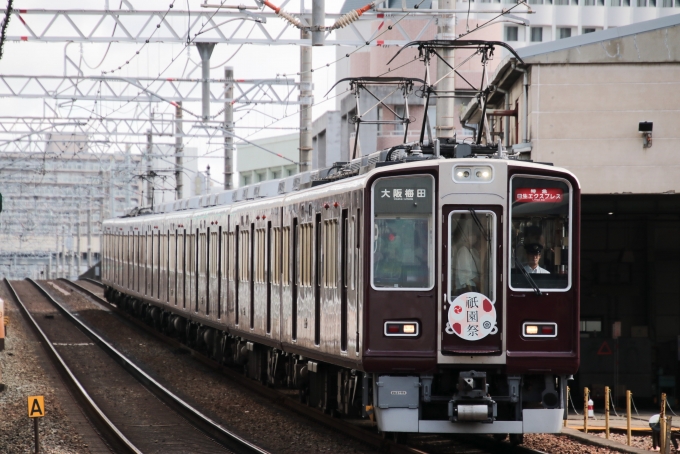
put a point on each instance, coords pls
(539, 329)
(402, 329)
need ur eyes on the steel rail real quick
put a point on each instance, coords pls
(110, 432)
(206, 425)
(358, 433)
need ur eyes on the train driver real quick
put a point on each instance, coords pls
(534, 251)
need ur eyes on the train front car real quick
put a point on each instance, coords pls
(472, 296)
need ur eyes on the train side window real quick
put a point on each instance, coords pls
(286, 256)
(402, 254)
(231, 256)
(330, 253)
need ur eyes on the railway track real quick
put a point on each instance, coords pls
(417, 443)
(132, 411)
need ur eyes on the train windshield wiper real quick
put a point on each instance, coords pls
(530, 280)
(481, 228)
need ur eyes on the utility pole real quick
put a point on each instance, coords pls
(148, 178)
(446, 30)
(179, 150)
(307, 97)
(228, 126)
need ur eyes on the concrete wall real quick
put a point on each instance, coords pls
(585, 117)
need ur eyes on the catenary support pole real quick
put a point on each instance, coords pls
(228, 126)
(89, 233)
(307, 96)
(446, 29)
(179, 151)
(205, 50)
(318, 22)
(78, 242)
(148, 178)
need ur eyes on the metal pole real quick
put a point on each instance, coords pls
(148, 179)
(585, 410)
(179, 151)
(318, 22)
(56, 270)
(37, 435)
(629, 396)
(78, 242)
(70, 250)
(128, 177)
(567, 405)
(662, 424)
(228, 126)
(606, 412)
(63, 253)
(307, 97)
(89, 233)
(446, 29)
(205, 51)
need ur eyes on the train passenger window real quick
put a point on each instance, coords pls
(286, 256)
(244, 256)
(275, 246)
(330, 253)
(402, 255)
(540, 232)
(232, 253)
(472, 245)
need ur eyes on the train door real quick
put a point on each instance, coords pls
(472, 311)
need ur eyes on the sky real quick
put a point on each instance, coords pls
(167, 60)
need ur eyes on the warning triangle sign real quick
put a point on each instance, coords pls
(604, 349)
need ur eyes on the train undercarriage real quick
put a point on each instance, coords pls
(452, 400)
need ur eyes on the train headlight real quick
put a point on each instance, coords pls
(539, 329)
(477, 174)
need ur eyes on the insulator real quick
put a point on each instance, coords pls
(290, 18)
(346, 19)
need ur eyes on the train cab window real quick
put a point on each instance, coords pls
(472, 245)
(540, 232)
(402, 253)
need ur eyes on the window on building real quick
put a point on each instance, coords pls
(380, 118)
(588, 30)
(641, 3)
(536, 34)
(564, 32)
(511, 33)
(535, 2)
(276, 174)
(245, 180)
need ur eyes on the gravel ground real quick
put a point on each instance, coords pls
(638, 441)
(24, 376)
(251, 416)
(560, 444)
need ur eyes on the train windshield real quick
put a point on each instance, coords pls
(402, 256)
(540, 255)
(472, 240)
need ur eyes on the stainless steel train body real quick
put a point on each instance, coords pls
(349, 291)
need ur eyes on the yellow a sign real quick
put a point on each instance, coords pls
(36, 406)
